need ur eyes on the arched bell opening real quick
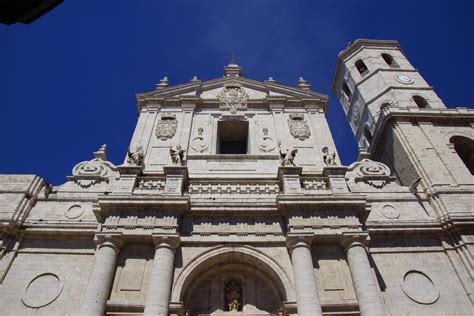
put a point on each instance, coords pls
(233, 282)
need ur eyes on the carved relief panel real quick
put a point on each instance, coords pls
(299, 128)
(233, 98)
(166, 126)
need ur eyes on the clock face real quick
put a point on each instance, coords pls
(404, 79)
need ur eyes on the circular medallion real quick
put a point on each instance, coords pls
(419, 287)
(42, 290)
(74, 211)
(404, 79)
(389, 211)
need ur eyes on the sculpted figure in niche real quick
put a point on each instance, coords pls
(287, 158)
(232, 290)
(178, 156)
(329, 157)
(135, 157)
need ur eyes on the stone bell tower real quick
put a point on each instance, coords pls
(398, 119)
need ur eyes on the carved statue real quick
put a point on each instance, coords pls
(135, 157)
(287, 158)
(329, 157)
(233, 296)
(187, 313)
(178, 156)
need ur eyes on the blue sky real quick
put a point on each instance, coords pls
(69, 79)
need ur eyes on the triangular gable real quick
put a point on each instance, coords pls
(209, 89)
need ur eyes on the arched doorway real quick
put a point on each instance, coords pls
(238, 279)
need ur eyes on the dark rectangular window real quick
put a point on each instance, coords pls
(232, 137)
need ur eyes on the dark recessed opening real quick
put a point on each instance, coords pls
(232, 137)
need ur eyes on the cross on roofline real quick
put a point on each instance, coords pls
(232, 58)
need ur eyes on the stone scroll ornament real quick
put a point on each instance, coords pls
(298, 126)
(166, 126)
(89, 173)
(233, 98)
(373, 172)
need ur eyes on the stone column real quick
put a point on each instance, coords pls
(101, 276)
(307, 299)
(159, 291)
(366, 288)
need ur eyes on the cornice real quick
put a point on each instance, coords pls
(389, 114)
(173, 95)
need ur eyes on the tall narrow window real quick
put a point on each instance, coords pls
(389, 60)
(347, 92)
(465, 149)
(232, 137)
(420, 102)
(362, 68)
(367, 134)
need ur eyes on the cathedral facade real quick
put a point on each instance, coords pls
(232, 200)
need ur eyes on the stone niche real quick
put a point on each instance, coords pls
(233, 289)
(232, 283)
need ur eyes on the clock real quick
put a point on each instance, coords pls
(404, 79)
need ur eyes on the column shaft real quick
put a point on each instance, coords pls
(159, 291)
(307, 299)
(100, 280)
(366, 288)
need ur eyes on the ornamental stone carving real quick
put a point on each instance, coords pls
(89, 173)
(42, 290)
(268, 144)
(419, 287)
(390, 211)
(356, 112)
(166, 127)
(288, 158)
(233, 98)
(198, 144)
(74, 212)
(135, 156)
(298, 126)
(178, 156)
(329, 156)
(367, 167)
(371, 172)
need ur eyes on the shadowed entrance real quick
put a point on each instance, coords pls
(233, 282)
